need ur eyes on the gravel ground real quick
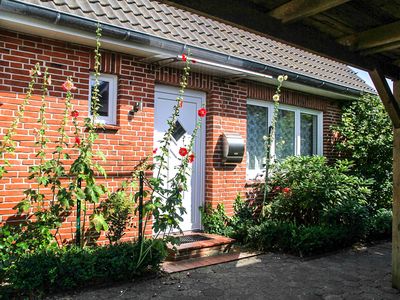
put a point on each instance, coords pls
(361, 274)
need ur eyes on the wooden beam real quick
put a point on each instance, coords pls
(248, 15)
(375, 37)
(299, 9)
(380, 49)
(396, 200)
(389, 101)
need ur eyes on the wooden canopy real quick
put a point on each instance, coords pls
(361, 33)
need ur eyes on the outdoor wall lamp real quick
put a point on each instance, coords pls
(136, 107)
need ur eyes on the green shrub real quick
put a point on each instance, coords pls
(272, 236)
(350, 215)
(69, 268)
(380, 225)
(216, 220)
(18, 239)
(306, 186)
(317, 239)
(365, 135)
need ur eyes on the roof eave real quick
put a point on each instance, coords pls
(168, 47)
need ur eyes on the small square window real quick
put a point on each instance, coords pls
(107, 98)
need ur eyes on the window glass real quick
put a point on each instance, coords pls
(257, 128)
(285, 134)
(107, 98)
(308, 134)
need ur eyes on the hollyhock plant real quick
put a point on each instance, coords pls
(68, 85)
(75, 114)
(202, 112)
(155, 150)
(77, 140)
(286, 190)
(191, 158)
(184, 57)
(183, 151)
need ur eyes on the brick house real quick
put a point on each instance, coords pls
(142, 43)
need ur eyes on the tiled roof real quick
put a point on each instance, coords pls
(169, 22)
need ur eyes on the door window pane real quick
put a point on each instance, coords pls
(308, 134)
(257, 128)
(285, 134)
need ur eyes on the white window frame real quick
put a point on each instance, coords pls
(252, 174)
(112, 98)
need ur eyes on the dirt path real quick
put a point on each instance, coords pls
(346, 275)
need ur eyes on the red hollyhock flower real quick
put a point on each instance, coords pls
(286, 190)
(183, 151)
(77, 140)
(75, 114)
(184, 57)
(191, 158)
(202, 112)
(155, 150)
(68, 85)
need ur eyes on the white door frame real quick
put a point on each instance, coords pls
(198, 185)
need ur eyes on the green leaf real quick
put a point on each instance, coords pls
(98, 222)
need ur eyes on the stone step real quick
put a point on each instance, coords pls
(197, 244)
(200, 262)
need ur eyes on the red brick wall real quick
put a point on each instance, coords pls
(132, 138)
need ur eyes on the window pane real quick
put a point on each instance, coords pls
(308, 134)
(285, 134)
(257, 127)
(104, 92)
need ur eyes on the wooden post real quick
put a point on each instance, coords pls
(391, 101)
(396, 199)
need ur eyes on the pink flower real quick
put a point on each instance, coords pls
(155, 150)
(49, 80)
(191, 158)
(180, 103)
(68, 85)
(39, 73)
(202, 112)
(31, 72)
(75, 114)
(277, 188)
(183, 151)
(184, 57)
(77, 140)
(286, 190)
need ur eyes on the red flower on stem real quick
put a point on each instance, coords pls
(183, 151)
(202, 112)
(75, 114)
(193, 61)
(286, 190)
(155, 150)
(184, 57)
(77, 140)
(191, 158)
(68, 85)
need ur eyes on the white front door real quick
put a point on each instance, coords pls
(165, 99)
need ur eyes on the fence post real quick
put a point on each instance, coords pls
(141, 183)
(78, 217)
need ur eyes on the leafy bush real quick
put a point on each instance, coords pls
(380, 225)
(306, 186)
(117, 211)
(365, 135)
(18, 239)
(69, 268)
(216, 220)
(318, 239)
(350, 215)
(271, 236)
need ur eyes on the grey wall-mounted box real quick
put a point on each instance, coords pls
(232, 148)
